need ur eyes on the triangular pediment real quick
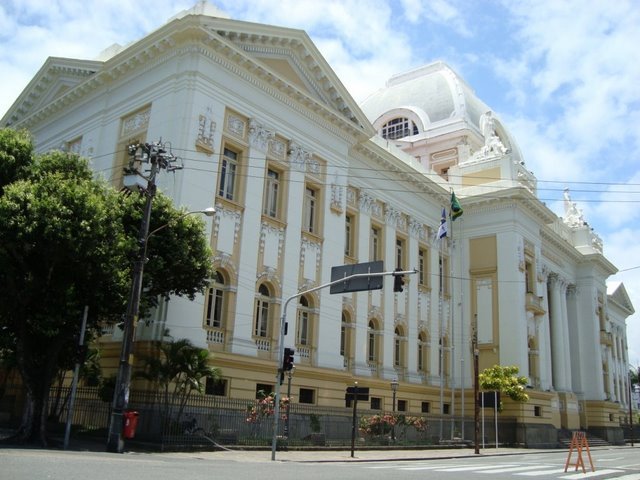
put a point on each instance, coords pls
(290, 56)
(619, 295)
(56, 77)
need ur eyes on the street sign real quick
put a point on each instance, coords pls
(372, 282)
(488, 399)
(363, 393)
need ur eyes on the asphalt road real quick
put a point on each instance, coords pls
(622, 463)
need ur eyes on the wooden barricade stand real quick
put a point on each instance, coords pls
(579, 442)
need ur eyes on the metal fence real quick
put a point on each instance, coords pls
(208, 421)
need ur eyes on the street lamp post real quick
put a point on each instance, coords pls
(286, 423)
(115, 441)
(394, 389)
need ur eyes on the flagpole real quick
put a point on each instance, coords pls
(441, 366)
(452, 347)
(454, 213)
(462, 349)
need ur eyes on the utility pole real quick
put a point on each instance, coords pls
(476, 385)
(158, 157)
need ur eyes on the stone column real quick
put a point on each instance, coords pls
(558, 343)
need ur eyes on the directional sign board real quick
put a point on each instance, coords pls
(488, 399)
(360, 283)
(363, 393)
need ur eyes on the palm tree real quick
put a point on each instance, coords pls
(177, 370)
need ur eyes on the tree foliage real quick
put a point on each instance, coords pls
(67, 240)
(505, 380)
(177, 369)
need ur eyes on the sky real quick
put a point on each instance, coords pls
(562, 75)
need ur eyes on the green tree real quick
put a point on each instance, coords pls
(504, 380)
(15, 155)
(177, 369)
(67, 240)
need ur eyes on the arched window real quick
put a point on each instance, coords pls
(263, 303)
(214, 302)
(399, 128)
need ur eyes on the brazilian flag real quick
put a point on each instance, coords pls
(456, 209)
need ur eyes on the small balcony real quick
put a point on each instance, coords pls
(533, 303)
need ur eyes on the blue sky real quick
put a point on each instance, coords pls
(563, 75)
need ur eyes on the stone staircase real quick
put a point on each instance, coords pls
(564, 439)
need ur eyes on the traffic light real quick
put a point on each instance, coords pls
(287, 360)
(398, 281)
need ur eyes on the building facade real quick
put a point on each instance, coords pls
(304, 179)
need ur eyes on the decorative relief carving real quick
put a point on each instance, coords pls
(259, 136)
(313, 166)
(236, 125)
(206, 130)
(392, 216)
(416, 229)
(374, 312)
(277, 148)
(298, 156)
(135, 123)
(337, 193)
(352, 197)
(224, 261)
(74, 146)
(377, 209)
(269, 274)
(366, 202)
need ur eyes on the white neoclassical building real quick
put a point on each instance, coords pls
(304, 179)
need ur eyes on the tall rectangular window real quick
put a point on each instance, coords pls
(422, 267)
(271, 201)
(303, 327)
(374, 244)
(400, 253)
(309, 210)
(349, 235)
(228, 175)
(213, 314)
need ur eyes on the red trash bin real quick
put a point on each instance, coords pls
(130, 423)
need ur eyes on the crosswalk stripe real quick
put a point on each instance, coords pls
(423, 467)
(475, 468)
(542, 472)
(632, 476)
(521, 468)
(588, 474)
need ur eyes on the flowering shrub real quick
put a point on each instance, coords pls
(377, 424)
(419, 423)
(264, 406)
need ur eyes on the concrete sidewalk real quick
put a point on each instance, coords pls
(316, 456)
